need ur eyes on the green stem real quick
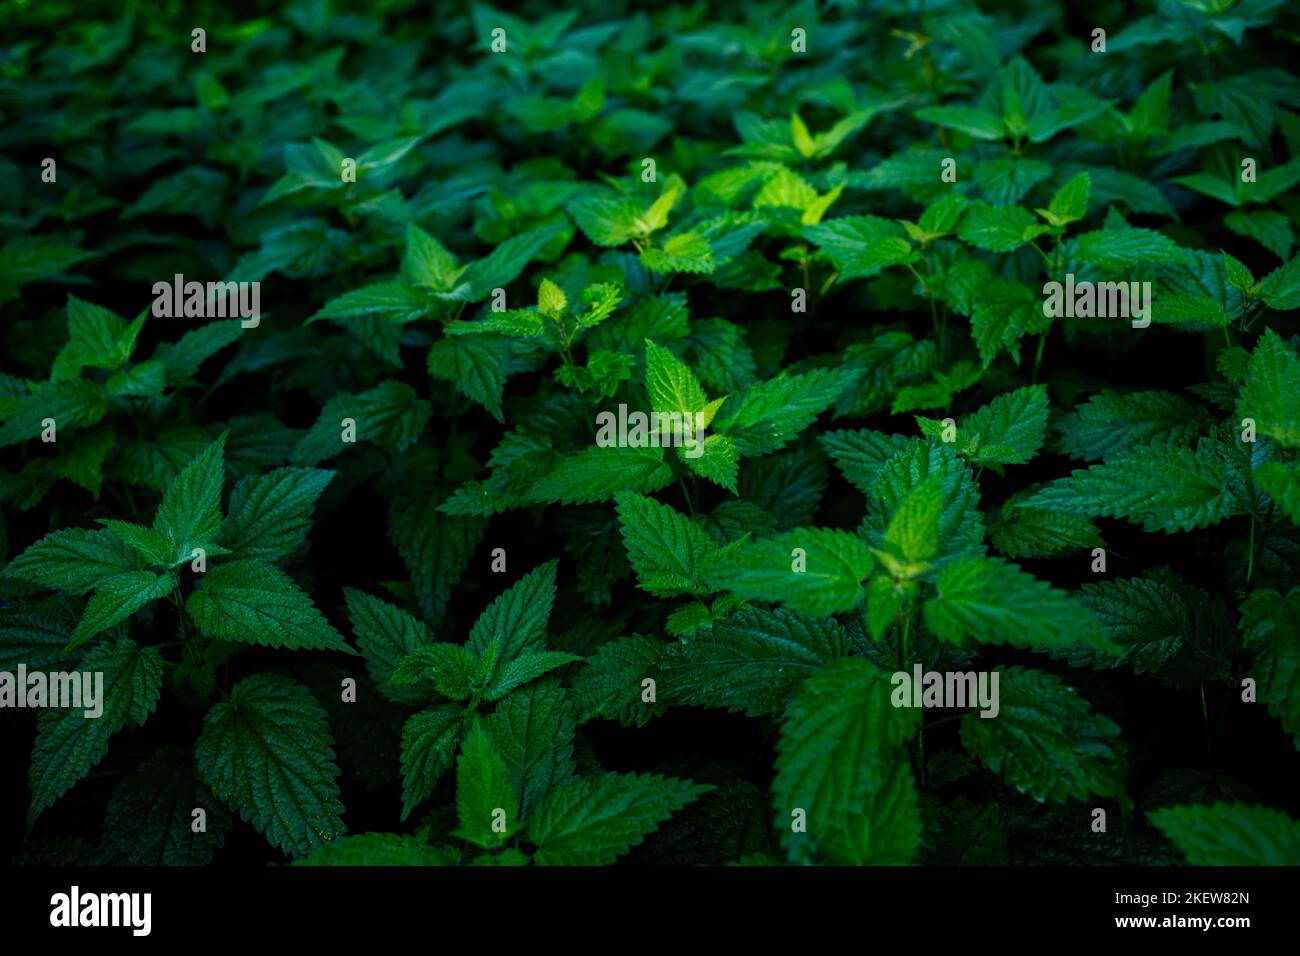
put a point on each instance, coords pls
(1038, 355)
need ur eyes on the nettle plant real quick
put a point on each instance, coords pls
(643, 411)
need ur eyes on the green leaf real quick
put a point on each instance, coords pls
(390, 414)
(270, 515)
(768, 415)
(435, 547)
(1231, 834)
(1120, 249)
(426, 262)
(816, 570)
(1282, 485)
(753, 661)
(532, 731)
(842, 761)
(149, 820)
(606, 222)
(1160, 625)
(391, 301)
(386, 635)
(379, 849)
(487, 805)
(190, 513)
(861, 246)
(1111, 423)
(117, 598)
(684, 252)
(1271, 395)
(977, 123)
(68, 743)
(961, 528)
(252, 602)
(591, 821)
(1270, 624)
(611, 683)
(998, 228)
(992, 601)
(476, 364)
(524, 669)
(913, 532)
(429, 741)
(1070, 204)
(267, 752)
(73, 560)
(516, 620)
(1044, 740)
(1022, 532)
(673, 387)
(668, 552)
(1164, 488)
(598, 473)
(1007, 431)
(502, 265)
(860, 455)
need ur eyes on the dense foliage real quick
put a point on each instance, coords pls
(365, 578)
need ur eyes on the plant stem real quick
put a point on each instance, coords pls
(1038, 355)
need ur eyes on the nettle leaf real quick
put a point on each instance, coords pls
(961, 528)
(379, 849)
(486, 802)
(611, 685)
(190, 513)
(591, 821)
(1271, 394)
(598, 473)
(391, 301)
(684, 252)
(532, 731)
(992, 601)
(253, 602)
(68, 742)
(1111, 423)
(753, 661)
(1282, 485)
(270, 515)
(816, 570)
(998, 228)
(668, 551)
(1007, 431)
(73, 560)
(673, 387)
(1070, 204)
(1271, 626)
(768, 415)
(860, 455)
(267, 751)
(861, 246)
(429, 742)
(1163, 488)
(842, 763)
(517, 618)
(149, 821)
(477, 365)
(389, 414)
(501, 266)
(1161, 625)
(974, 122)
(117, 598)
(1044, 740)
(1231, 834)
(386, 635)
(1022, 532)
